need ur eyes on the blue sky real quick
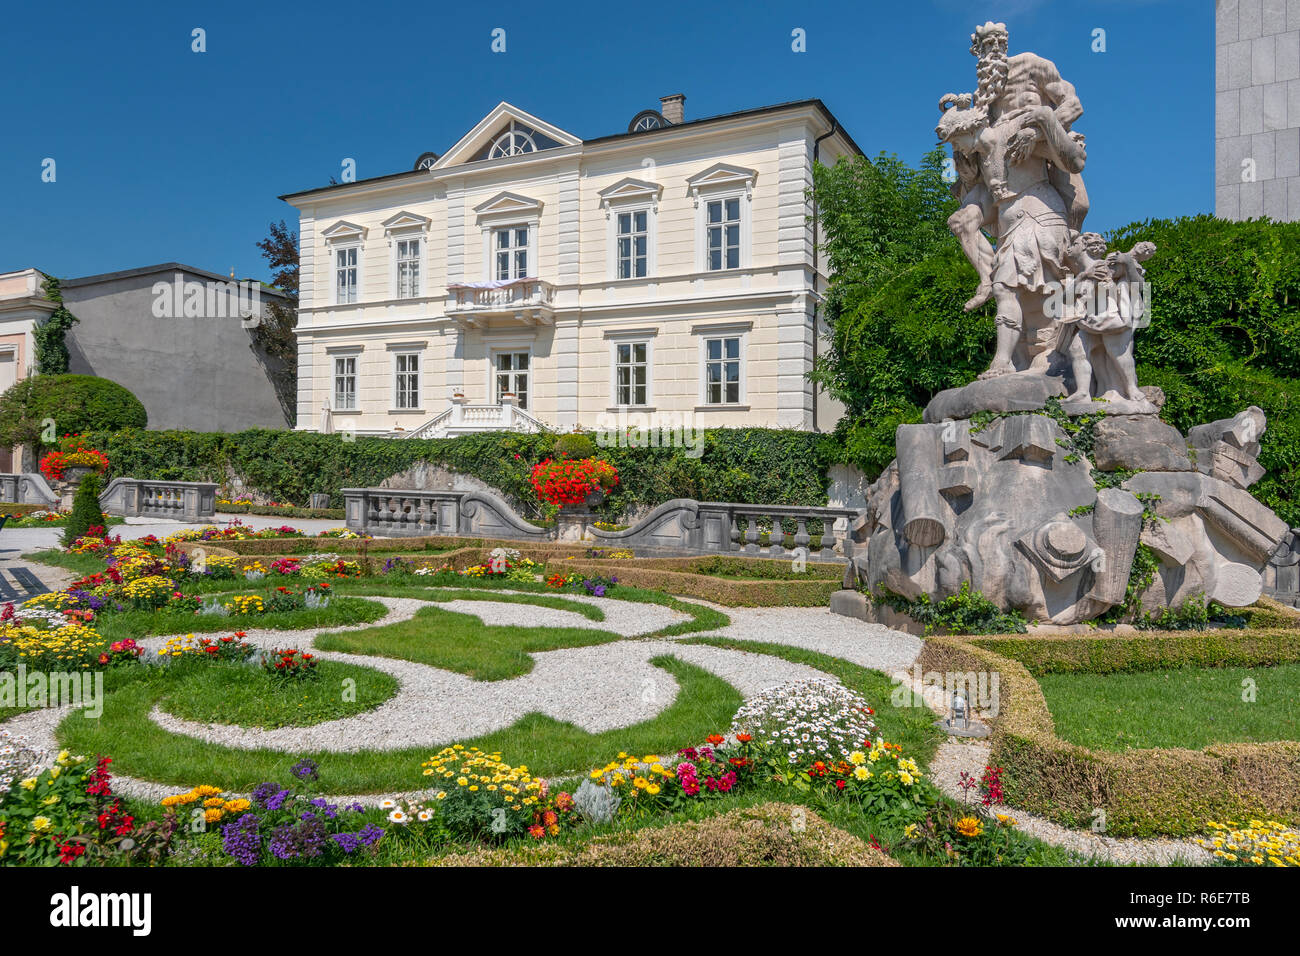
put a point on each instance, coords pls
(166, 154)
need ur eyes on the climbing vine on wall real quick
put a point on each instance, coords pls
(51, 335)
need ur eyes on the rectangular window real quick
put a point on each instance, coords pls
(408, 268)
(631, 373)
(722, 234)
(512, 376)
(408, 380)
(345, 272)
(632, 244)
(345, 383)
(722, 371)
(511, 248)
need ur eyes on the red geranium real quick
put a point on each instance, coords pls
(568, 481)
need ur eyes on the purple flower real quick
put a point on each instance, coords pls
(306, 769)
(241, 839)
(269, 796)
(302, 840)
(598, 590)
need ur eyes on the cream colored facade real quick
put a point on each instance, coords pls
(413, 289)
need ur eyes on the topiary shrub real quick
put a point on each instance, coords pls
(575, 445)
(86, 512)
(74, 403)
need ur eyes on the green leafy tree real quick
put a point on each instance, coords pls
(37, 410)
(275, 335)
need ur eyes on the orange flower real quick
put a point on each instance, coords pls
(715, 739)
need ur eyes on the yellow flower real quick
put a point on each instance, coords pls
(28, 784)
(861, 773)
(857, 757)
(40, 824)
(969, 827)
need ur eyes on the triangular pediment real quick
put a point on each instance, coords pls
(722, 174)
(508, 203)
(491, 127)
(630, 189)
(344, 230)
(406, 220)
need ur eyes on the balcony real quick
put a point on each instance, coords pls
(530, 300)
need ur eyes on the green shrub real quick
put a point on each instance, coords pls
(575, 445)
(966, 612)
(86, 512)
(749, 465)
(75, 403)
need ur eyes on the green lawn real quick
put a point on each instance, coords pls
(589, 611)
(1190, 707)
(246, 696)
(462, 643)
(115, 626)
(141, 748)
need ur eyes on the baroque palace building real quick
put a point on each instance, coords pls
(530, 279)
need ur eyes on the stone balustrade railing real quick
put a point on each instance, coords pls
(681, 525)
(178, 500)
(27, 488)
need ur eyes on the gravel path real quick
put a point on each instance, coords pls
(627, 618)
(816, 629)
(972, 756)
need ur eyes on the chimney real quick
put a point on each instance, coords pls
(673, 108)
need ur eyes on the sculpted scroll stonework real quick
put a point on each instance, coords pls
(1008, 503)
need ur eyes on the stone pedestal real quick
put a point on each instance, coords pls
(73, 476)
(573, 523)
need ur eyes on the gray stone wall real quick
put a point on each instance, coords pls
(200, 373)
(1257, 109)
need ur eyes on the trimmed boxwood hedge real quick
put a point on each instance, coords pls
(1158, 791)
(748, 465)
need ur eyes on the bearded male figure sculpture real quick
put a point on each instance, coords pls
(1018, 166)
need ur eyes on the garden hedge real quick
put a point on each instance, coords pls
(749, 465)
(1084, 653)
(329, 514)
(1158, 791)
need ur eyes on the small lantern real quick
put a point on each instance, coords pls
(960, 710)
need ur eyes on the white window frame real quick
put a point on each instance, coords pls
(341, 237)
(417, 260)
(335, 251)
(631, 196)
(530, 259)
(406, 350)
(406, 226)
(354, 358)
(511, 347)
(742, 208)
(709, 333)
(509, 211)
(721, 182)
(632, 337)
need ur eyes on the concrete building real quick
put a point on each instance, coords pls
(1257, 109)
(663, 275)
(177, 337)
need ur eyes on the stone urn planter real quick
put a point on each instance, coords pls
(574, 521)
(73, 476)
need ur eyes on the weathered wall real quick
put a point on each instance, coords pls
(200, 373)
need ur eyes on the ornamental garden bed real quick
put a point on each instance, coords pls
(1137, 792)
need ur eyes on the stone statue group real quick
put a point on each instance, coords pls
(1063, 303)
(1009, 505)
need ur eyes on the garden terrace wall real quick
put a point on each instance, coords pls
(1142, 792)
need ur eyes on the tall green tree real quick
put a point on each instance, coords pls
(275, 334)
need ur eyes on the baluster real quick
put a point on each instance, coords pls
(801, 537)
(776, 540)
(751, 534)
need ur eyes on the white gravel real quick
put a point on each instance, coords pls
(630, 619)
(816, 629)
